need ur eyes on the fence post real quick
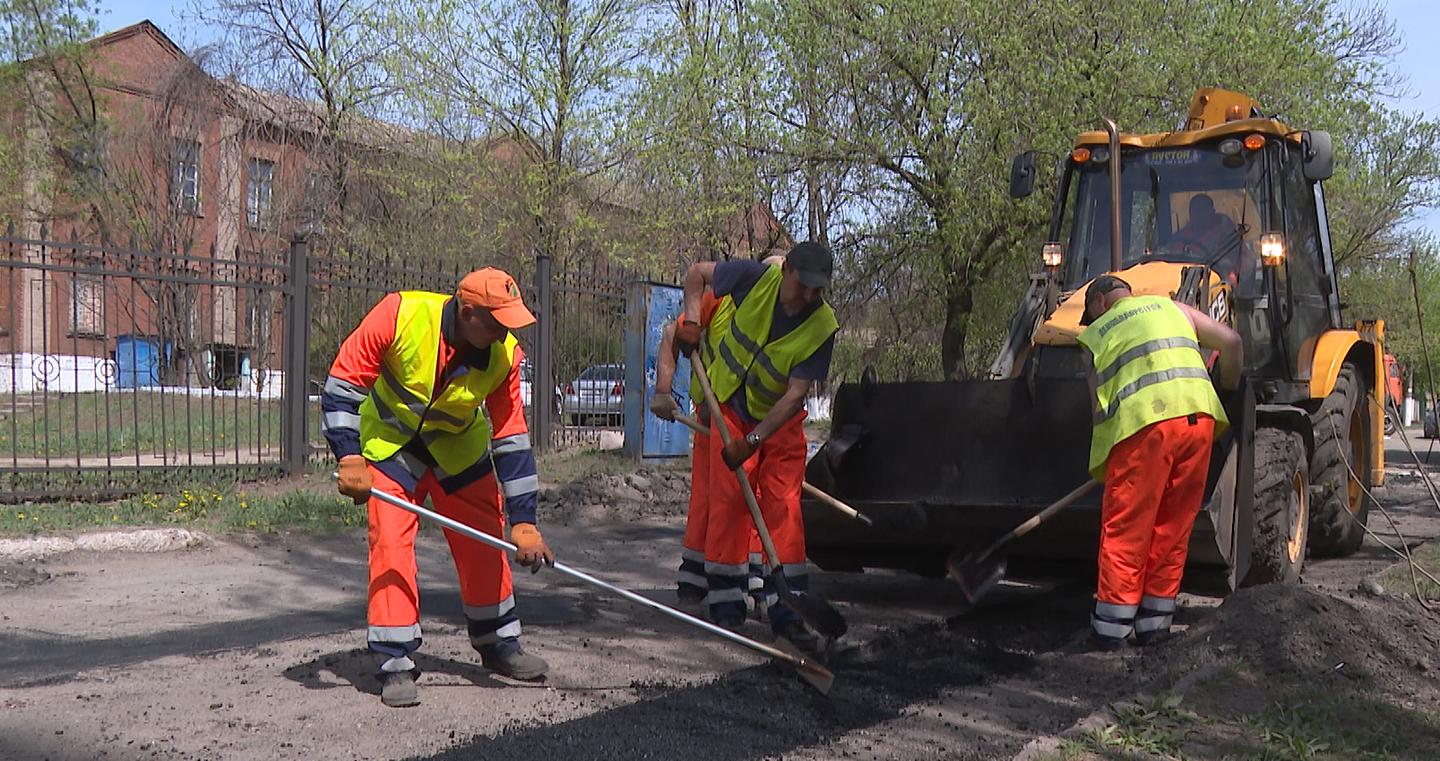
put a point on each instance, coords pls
(542, 389)
(295, 445)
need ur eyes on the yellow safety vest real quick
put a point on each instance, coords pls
(736, 357)
(1148, 368)
(403, 403)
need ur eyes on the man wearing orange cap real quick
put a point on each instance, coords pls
(402, 414)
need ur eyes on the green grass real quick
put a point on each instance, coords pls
(122, 423)
(1397, 580)
(1241, 714)
(217, 508)
(1143, 729)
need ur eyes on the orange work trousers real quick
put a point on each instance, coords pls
(776, 472)
(484, 572)
(690, 579)
(1154, 483)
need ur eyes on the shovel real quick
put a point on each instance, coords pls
(814, 674)
(817, 613)
(978, 573)
(813, 491)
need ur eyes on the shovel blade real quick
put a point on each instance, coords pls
(813, 673)
(975, 574)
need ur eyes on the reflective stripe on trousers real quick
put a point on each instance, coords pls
(484, 572)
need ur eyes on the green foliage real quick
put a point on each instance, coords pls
(924, 102)
(216, 508)
(1380, 287)
(1154, 727)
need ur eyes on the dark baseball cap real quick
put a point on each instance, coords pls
(1099, 287)
(813, 262)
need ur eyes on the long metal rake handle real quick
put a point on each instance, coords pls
(501, 544)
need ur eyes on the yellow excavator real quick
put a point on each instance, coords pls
(1226, 214)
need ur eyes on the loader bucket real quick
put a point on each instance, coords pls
(977, 458)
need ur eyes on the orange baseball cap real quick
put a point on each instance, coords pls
(496, 291)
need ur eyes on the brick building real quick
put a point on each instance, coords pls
(183, 192)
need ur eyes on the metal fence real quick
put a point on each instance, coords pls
(123, 370)
(117, 362)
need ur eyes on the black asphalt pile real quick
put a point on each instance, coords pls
(647, 493)
(1299, 635)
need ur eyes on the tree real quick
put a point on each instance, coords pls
(546, 84)
(927, 100)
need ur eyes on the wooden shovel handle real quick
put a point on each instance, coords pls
(813, 491)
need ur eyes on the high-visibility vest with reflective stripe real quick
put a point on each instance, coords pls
(738, 356)
(402, 402)
(1148, 368)
(719, 322)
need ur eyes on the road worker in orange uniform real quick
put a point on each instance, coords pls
(690, 585)
(1156, 415)
(402, 412)
(770, 338)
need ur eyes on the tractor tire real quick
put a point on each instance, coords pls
(1340, 507)
(1282, 497)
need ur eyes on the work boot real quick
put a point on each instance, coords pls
(1146, 639)
(397, 689)
(508, 658)
(1095, 643)
(690, 596)
(804, 640)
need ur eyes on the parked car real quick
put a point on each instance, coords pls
(527, 373)
(599, 392)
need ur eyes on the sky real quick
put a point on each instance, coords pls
(1418, 62)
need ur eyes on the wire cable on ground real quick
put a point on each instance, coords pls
(1402, 554)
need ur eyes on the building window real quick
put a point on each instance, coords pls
(259, 192)
(185, 176)
(87, 307)
(314, 197)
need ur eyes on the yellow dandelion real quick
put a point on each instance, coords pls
(20, 516)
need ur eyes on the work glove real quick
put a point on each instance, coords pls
(530, 548)
(687, 337)
(737, 452)
(664, 406)
(354, 478)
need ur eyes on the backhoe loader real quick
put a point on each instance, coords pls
(1227, 214)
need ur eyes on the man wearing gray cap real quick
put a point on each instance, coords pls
(766, 344)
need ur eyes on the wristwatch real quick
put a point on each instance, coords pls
(753, 439)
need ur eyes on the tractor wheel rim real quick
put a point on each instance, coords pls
(1300, 509)
(1354, 491)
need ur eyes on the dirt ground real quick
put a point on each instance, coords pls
(253, 648)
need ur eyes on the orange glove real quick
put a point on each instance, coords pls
(687, 337)
(530, 548)
(737, 452)
(354, 481)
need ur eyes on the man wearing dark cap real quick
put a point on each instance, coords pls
(766, 344)
(1156, 414)
(402, 413)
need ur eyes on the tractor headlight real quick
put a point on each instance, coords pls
(1272, 249)
(1053, 254)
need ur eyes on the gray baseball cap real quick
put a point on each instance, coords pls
(813, 262)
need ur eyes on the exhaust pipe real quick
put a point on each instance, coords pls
(1114, 133)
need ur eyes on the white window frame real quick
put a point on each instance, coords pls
(87, 306)
(259, 193)
(185, 170)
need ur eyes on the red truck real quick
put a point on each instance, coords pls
(1394, 392)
